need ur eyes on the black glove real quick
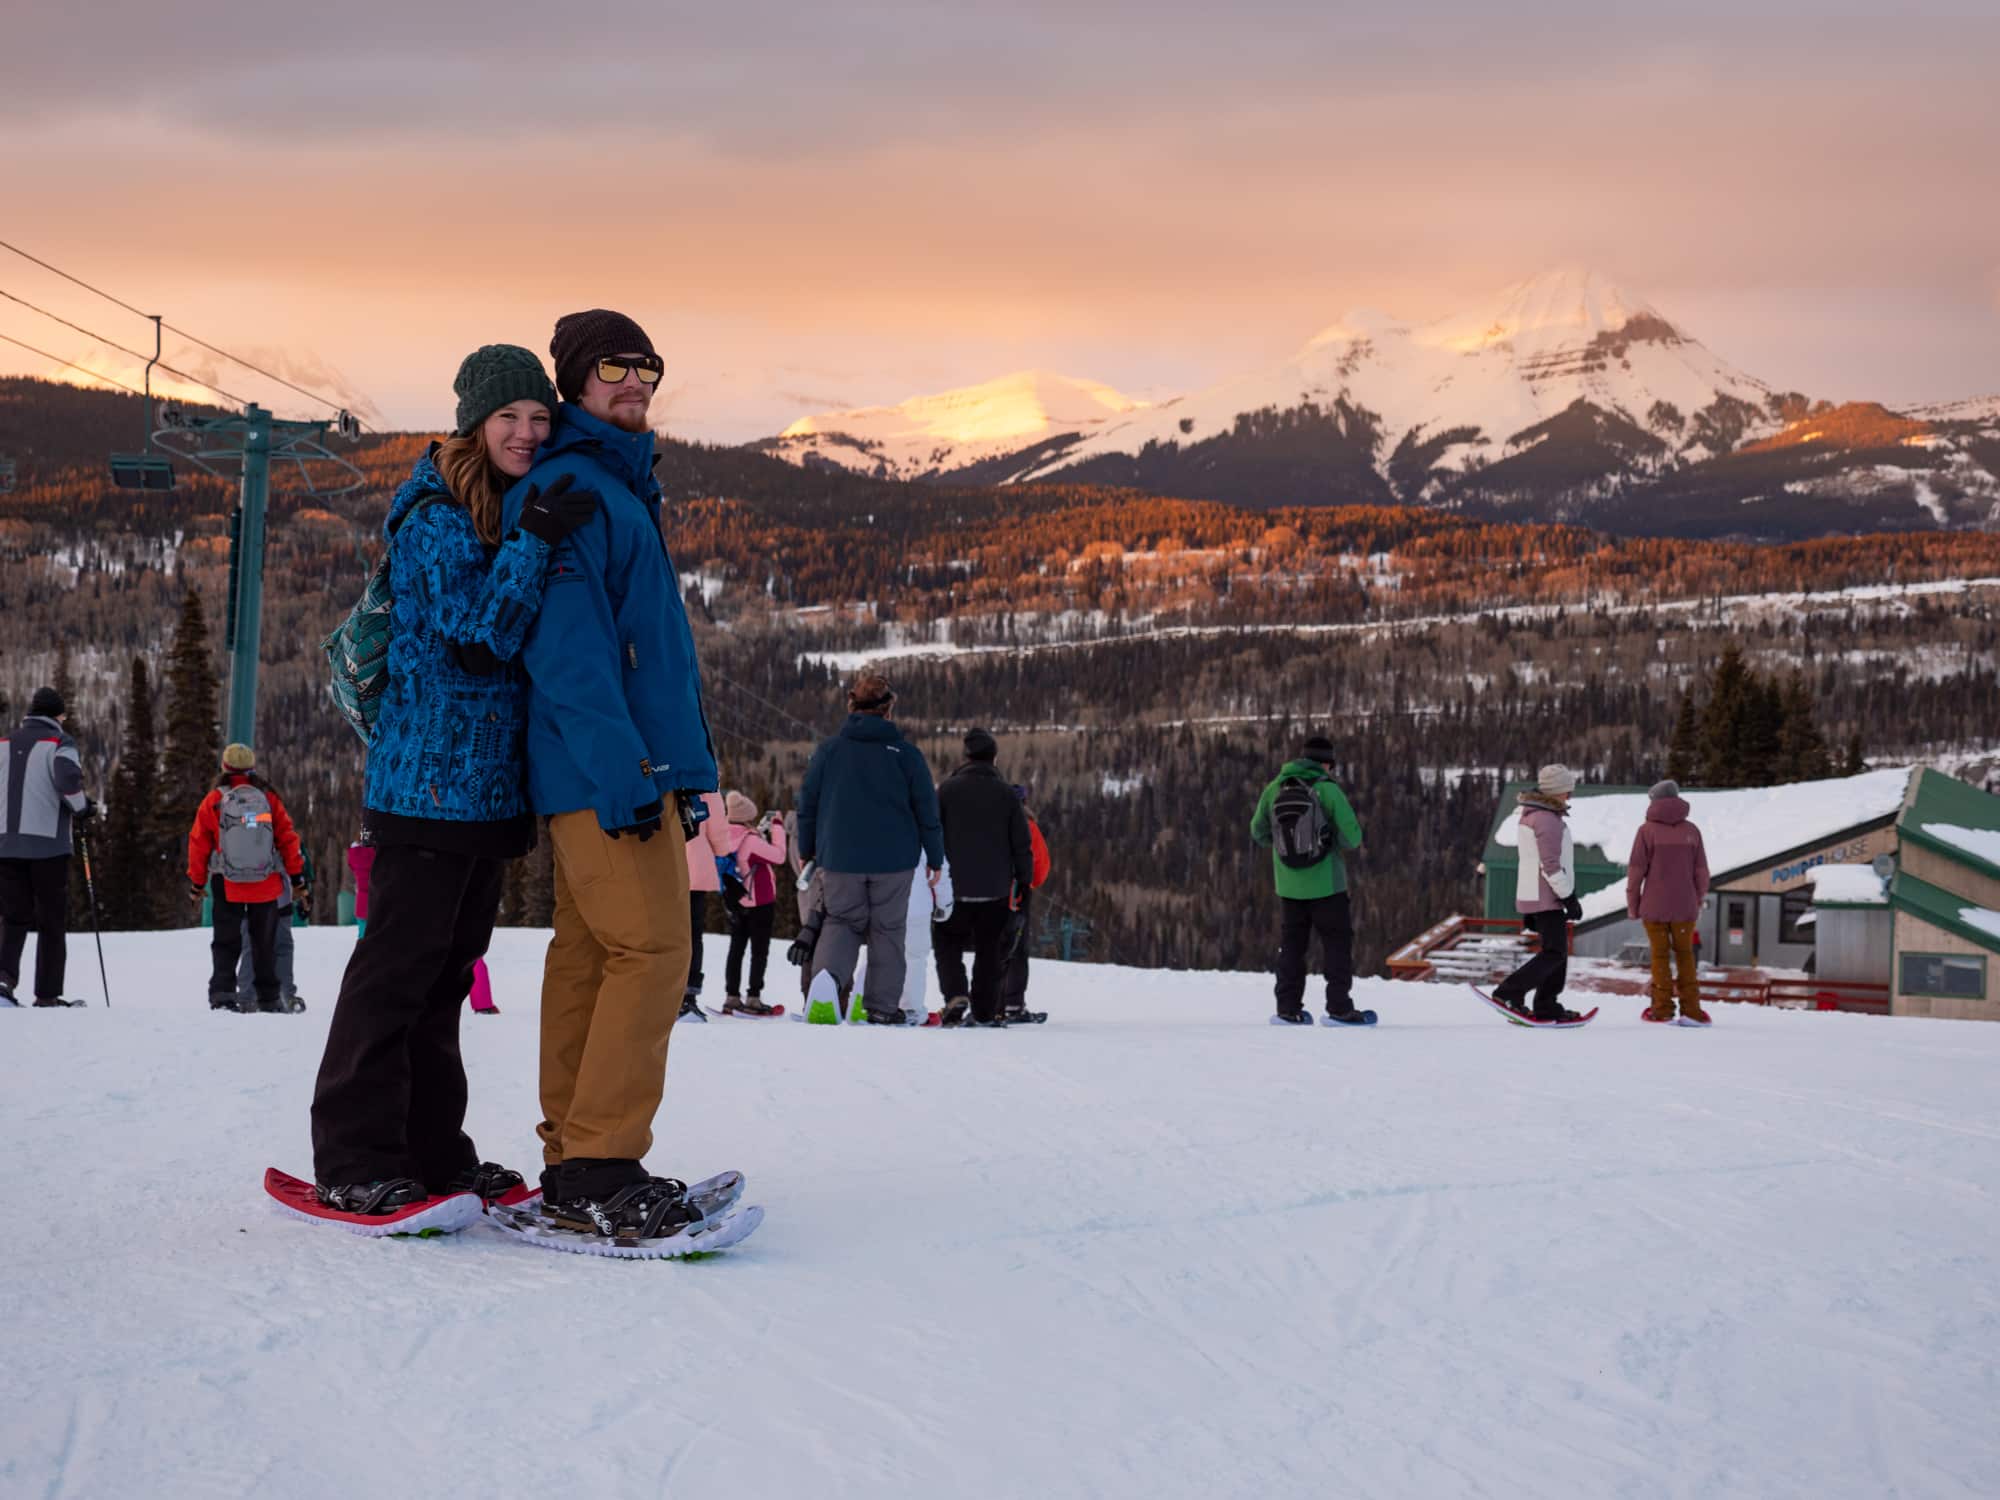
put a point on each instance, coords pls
(87, 816)
(693, 810)
(554, 513)
(1573, 908)
(645, 822)
(196, 892)
(801, 952)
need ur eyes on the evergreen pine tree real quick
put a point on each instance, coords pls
(1802, 754)
(1685, 746)
(1762, 743)
(1722, 722)
(194, 735)
(1854, 765)
(134, 882)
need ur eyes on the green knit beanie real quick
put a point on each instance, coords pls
(497, 375)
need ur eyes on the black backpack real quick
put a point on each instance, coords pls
(1299, 825)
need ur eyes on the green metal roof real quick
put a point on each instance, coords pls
(1940, 908)
(1941, 799)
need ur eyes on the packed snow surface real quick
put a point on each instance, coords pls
(1155, 1248)
(1738, 828)
(1849, 885)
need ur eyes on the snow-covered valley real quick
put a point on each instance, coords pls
(1155, 1248)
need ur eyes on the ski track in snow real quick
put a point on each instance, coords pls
(1156, 1248)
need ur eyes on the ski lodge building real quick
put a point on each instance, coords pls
(1890, 878)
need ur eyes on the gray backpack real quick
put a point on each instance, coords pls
(247, 848)
(1299, 824)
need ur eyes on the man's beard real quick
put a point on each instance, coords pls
(629, 416)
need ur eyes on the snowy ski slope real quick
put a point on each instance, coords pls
(1153, 1249)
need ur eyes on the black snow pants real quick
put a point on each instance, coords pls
(749, 927)
(980, 926)
(232, 922)
(1014, 945)
(1330, 917)
(35, 893)
(1544, 974)
(390, 1101)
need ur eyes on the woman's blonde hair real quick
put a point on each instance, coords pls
(469, 474)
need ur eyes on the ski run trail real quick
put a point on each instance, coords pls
(1155, 1248)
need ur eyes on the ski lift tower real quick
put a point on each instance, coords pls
(247, 444)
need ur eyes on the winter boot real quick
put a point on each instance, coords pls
(1517, 1004)
(55, 1000)
(1295, 1017)
(649, 1208)
(1350, 1017)
(492, 1182)
(383, 1196)
(753, 1005)
(7, 994)
(955, 1011)
(223, 1000)
(691, 1008)
(1555, 1011)
(1694, 1015)
(1658, 1014)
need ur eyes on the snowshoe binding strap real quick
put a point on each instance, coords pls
(644, 1210)
(489, 1180)
(382, 1197)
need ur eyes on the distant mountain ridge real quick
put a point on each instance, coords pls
(1565, 398)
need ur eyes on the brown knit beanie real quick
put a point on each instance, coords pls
(583, 338)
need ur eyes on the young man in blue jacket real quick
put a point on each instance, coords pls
(866, 812)
(617, 746)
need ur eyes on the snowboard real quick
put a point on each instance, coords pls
(717, 1230)
(433, 1216)
(1583, 1020)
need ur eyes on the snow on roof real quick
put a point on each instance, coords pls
(1848, 885)
(1738, 828)
(1984, 843)
(1980, 917)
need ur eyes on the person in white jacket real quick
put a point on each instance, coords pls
(1545, 894)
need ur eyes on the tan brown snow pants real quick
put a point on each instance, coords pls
(611, 987)
(1675, 940)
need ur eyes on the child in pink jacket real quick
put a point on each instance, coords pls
(706, 854)
(361, 860)
(759, 848)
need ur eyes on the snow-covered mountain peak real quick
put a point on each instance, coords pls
(949, 430)
(1564, 308)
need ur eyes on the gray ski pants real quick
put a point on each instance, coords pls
(865, 908)
(246, 989)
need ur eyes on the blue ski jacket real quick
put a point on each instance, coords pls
(448, 739)
(615, 717)
(868, 806)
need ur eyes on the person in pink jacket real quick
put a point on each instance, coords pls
(759, 848)
(708, 860)
(1666, 882)
(1545, 894)
(361, 860)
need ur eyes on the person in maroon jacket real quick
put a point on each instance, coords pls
(1666, 881)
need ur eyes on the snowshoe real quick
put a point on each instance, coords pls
(1652, 1015)
(296, 1004)
(751, 1009)
(1025, 1017)
(1291, 1018)
(691, 1009)
(57, 1002)
(823, 1000)
(1695, 1017)
(1349, 1018)
(398, 1206)
(7, 995)
(703, 1235)
(1521, 1016)
(955, 1012)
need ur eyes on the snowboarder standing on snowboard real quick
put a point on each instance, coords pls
(1666, 882)
(867, 812)
(1304, 818)
(41, 795)
(618, 755)
(1545, 894)
(240, 849)
(987, 842)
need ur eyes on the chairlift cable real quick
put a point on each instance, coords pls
(132, 353)
(70, 364)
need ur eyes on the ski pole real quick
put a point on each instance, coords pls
(90, 889)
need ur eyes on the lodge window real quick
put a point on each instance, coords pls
(1948, 976)
(1791, 908)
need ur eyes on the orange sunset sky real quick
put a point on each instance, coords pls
(823, 206)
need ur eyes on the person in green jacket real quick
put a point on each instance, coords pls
(1304, 819)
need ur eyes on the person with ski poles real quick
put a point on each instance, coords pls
(241, 850)
(444, 807)
(1304, 819)
(41, 801)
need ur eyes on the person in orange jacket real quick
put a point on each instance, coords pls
(240, 849)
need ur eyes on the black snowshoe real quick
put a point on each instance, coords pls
(1292, 1018)
(489, 1180)
(382, 1197)
(651, 1209)
(691, 1008)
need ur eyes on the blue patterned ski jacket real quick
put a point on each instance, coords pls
(448, 739)
(615, 720)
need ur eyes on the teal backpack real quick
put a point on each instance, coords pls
(358, 649)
